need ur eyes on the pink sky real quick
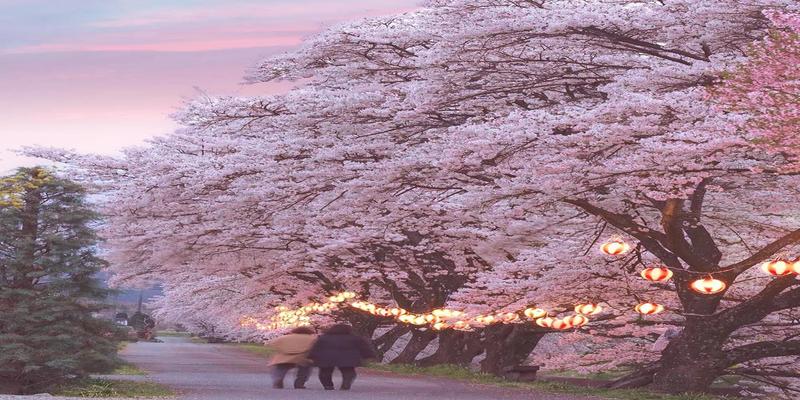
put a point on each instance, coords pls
(98, 76)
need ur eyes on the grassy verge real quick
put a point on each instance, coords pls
(464, 374)
(113, 388)
(255, 348)
(172, 334)
(128, 369)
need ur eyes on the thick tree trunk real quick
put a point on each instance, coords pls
(418, 342)
(455, 347)
(387, 340)
(507, 346)
(691, 361)
(10, 387)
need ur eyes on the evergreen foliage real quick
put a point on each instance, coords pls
(48, 290)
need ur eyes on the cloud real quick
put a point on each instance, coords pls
(163, 46)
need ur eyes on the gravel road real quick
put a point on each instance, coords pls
(220, 372)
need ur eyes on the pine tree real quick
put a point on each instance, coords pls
(48, 290)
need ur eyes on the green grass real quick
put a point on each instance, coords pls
(113, 388)
(605, 375)
(255, 348)
(172, 334)
(128, 369)
(464, 374)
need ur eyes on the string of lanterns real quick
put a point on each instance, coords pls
(706, 286)
(443, 318)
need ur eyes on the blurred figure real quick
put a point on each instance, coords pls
(292, 352)
(339, 348)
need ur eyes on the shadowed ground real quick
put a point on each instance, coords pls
(219, 372)
(209, 371)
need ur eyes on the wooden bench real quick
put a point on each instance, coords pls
(521, 373)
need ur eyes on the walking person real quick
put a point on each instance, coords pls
(339, 348)
(292, 352)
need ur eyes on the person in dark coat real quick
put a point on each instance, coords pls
(339, 348)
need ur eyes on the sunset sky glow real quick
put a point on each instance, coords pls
(100, 75)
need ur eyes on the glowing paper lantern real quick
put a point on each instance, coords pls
(778, 267)
(708, 285)
(534, 313)
(420, 320)
(588, 309)
(397, 311)
(796, 266)
(545, 322)
(657, 274)
(439, 326)
(485, 319)
(561, 324)
(461, 325)
(577, 320)
(406, 319)
(649, 308)
(337, 298)
(615, 247)
(508, 317)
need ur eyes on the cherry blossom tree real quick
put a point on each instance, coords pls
(474, 153)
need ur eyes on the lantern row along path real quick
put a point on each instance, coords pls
(218, 371)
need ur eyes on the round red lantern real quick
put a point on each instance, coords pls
(439, 326)
(778, 267)
(535, 313)
(461, 325)
(708, 285)
(615, 247)
(577, 320)
(649, 308)
(508, 318)
(796, 266)
(545, 322)
(561, 324)
(657, 274)
(588, 309)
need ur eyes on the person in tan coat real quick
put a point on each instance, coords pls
(291, 351)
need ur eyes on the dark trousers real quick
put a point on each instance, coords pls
(348, 376)
(279, 372)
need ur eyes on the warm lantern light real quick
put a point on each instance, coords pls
(445, 313)
(708, 285)
(461, 325)
(508, 317)
(397, 311)
(561, 324)
(439, 326)
(545, 322)
(348, 295)
(406, 319)
(430, 318)
(615, 247)
(649, 308)
(485, 319)
(337, 299)
(577, 320)
(796, 266)
(588, 309)
(535, 313)
(778, 267)
(419, 320)
(657, 274)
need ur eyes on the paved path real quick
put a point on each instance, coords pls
(219, 372)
